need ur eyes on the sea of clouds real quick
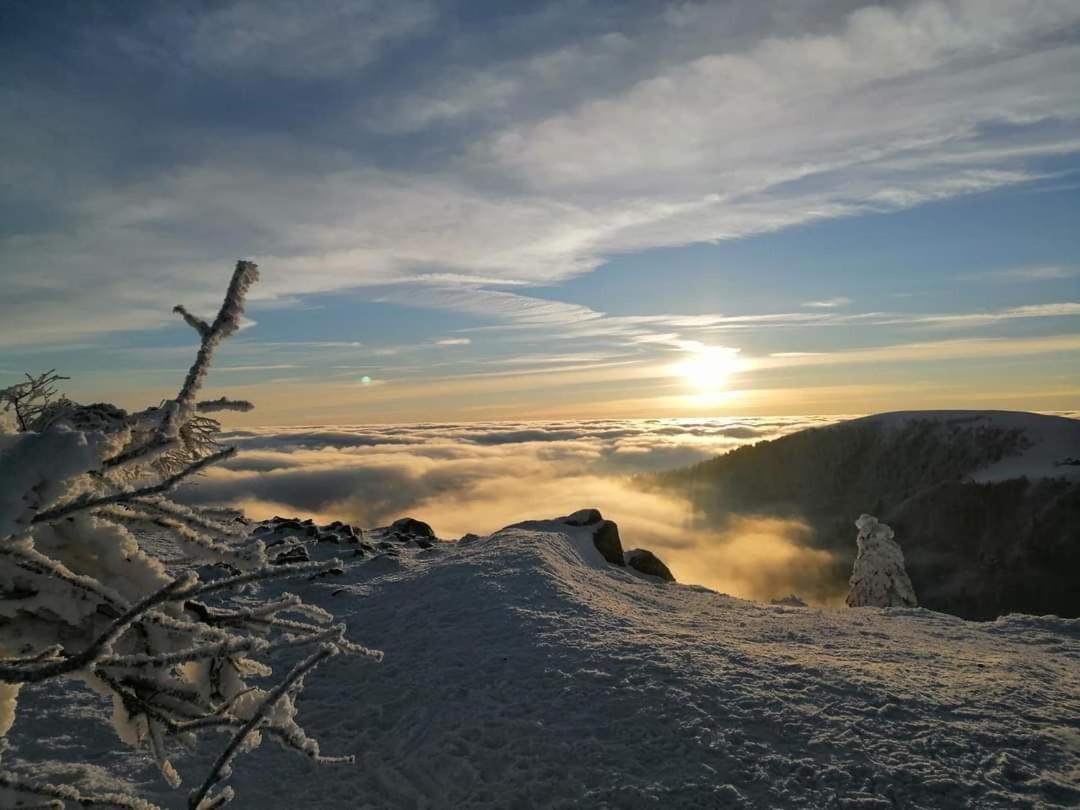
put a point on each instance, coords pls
(480, 477)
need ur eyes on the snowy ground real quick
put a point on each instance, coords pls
(522, 671)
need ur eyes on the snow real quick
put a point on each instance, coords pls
(1053, 441)
(522, 671)
(878, 578)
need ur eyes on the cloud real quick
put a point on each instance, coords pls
(282, 39)
(453, 342)
(483, 476)
(931, 350)
(755, 118)
(1020, 275)
(829, 303)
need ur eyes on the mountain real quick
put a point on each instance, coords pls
(986, 504)
(524, 671)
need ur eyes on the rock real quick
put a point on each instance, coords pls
(296, 554)
(385, 544)
(583, 517)
(648, 563)
(468, 537)
(607, 542)
(878, 578)
(791, 600)
(423, 543)
(412, 527)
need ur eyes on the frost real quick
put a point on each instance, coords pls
(84, 599)
(879, 578)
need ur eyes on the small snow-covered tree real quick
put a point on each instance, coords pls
(879, 578)
(82, 598)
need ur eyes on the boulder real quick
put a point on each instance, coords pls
(295, 554)
(607, 542)
(412, 527)
(646, 562)
(583, 517)
(791, 601)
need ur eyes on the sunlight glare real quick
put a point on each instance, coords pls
(710, 368)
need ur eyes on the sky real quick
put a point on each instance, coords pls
(575, 209)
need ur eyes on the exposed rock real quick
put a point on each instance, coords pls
(607, 542)
(791, 601)
(412, 527)
(646, 562)
(583, 517)
(295, 554)
(879, 578)
(468, 537)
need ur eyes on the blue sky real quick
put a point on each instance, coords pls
(569, 208)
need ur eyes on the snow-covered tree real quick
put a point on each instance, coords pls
(879, 578)
(81, 598)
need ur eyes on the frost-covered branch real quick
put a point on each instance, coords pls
(86, 503)
(66, 793)
(98, 647)
(29, 400)
(225, 324)
(87, 600)
(219, 769)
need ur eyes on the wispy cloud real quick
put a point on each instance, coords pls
(829, 303)
(930, 350)
(1020, 275)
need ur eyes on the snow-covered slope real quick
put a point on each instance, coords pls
(523, 671)
(1049, 442)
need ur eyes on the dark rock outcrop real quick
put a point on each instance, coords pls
(294, 554)
(412, 527)
(607, 542)
(583, 517)
(646, 562)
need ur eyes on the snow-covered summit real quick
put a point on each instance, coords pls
(524, 670)
(1049, 445)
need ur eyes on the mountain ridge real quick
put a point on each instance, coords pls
(986, 504)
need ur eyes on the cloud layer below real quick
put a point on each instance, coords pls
(481, 477)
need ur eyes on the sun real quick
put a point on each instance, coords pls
(710, 368)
